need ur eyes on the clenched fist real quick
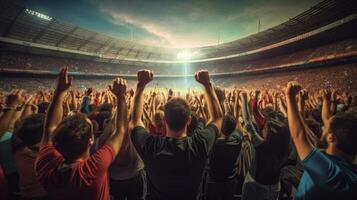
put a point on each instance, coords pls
(144, 77)
(202, 77)
(292, 89)
(118, 88)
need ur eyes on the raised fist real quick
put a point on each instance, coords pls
(325, 94)
(304, 95)
(202, 77)
(118, 88)
(292, 89)
(89, 91)
(145, 76)
(131, 92)
(63, 82)
(14, 99)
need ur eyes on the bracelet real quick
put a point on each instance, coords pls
(9, 108)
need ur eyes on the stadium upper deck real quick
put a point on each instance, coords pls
(23, 27)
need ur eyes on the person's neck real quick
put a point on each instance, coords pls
(332, 150)
(178, 134)
(83, 157)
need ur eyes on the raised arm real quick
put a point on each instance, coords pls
(9, 116)
(120, 123)
(144, 77)
(296, 126)
(214, 108)
(326, 101)
(54, 114)
(255, 138)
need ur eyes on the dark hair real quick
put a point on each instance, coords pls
(106, 107)
(30, 129)
(42, 107)
(344, 126)
(177, 112)
(277, 140)
(92, 107)
(228, 125)
(193, 125)
(72, 136)
(314, 126)
(100, 118)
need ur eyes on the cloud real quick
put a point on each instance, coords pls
(185, 23)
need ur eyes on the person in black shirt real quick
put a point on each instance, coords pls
(174, 164)
(222, 173)
(271, 152)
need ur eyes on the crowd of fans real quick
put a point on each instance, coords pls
(341, 77)
(156, 143)
(37, 62)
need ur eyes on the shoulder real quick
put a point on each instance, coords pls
(48, 158)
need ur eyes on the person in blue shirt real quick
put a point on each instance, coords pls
(331, 174)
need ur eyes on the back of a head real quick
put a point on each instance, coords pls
(42, 107)
(106, 107)
(344, 126)
(314, 126)
(177, 113)
(228, 125)
(100, 118)
(278, 138)
(72, 136)
(30, 129)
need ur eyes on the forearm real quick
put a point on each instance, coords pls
(120, 125)
(53, 117)
(214, 108)
(325, 113)
(6, 120)
(138, 105)
(27, 111)
(302, 108)
(297, 130)
(245, 111)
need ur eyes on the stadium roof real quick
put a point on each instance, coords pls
(18, 23)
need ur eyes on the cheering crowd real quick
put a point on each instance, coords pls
(122, 143)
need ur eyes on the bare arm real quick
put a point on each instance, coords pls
(54, 114)
(325, 113)
(296, 126)
(10, 115)
(144, 77)
(252, 133)
(214, 108)
(120, 122)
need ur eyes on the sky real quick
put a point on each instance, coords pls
(173, 23)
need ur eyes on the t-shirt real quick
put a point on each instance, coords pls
(223, 159)
(153, 131)
(87, 179)
(6, 159)
(3, 185)
(126, 164)
(174, 166)
(327, 177)
(29, 185)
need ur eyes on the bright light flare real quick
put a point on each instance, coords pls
(184, 55)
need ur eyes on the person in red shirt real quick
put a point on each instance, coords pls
(64, 165)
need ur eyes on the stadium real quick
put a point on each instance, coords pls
(316, 48)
